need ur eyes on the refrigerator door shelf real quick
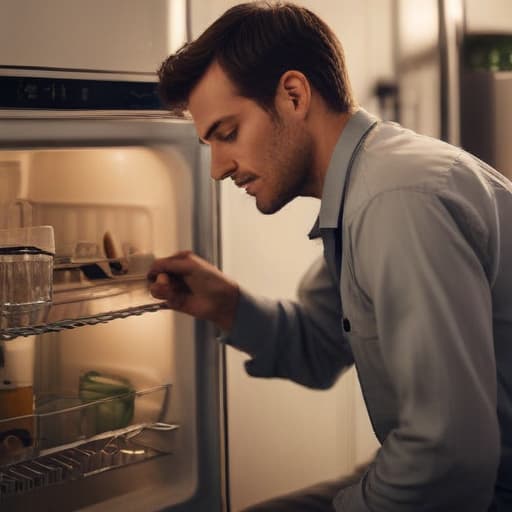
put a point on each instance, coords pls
(69, 422)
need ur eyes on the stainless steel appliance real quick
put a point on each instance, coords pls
(128, 395)
(123, 406)
(454, 69)
(486, 99)
(122, 400)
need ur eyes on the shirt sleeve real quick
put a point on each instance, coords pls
(302, 340)
(433, 309)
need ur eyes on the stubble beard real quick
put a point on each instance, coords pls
(290, 158)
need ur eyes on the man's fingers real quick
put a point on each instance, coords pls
(162, 280)
(159, 286)
(179, 264)
(169, 288)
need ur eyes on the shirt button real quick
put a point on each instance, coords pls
(346, 325)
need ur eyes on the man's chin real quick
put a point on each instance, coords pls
(269, 207)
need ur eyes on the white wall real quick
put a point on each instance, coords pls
(283, 436)
(494, 16)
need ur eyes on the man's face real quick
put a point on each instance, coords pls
(269, 155)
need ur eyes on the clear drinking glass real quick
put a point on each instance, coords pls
(26, 275)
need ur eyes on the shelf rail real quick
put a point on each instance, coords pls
(14, 332)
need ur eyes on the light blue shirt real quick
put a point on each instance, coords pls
(421, 302)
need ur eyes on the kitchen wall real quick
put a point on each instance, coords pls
(283, 436)
(493, 16)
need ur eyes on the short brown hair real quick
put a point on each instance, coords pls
(255, 43)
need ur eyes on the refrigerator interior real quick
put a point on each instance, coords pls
(155, 443)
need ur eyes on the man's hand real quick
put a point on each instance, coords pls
(192, 285)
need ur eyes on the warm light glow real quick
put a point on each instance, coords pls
(419, 26)
(454, 11)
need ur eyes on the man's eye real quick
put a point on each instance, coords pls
(229, 137)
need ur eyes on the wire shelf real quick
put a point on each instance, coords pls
(72, 323)
(102, 453)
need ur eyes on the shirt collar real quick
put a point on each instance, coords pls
(344, 152)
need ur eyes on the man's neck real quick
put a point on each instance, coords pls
(327, 130)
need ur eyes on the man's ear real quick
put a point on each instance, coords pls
(293, 94)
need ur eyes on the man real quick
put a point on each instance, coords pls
(415, 287)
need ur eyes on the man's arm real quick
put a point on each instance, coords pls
(433, 310)
(301, 341)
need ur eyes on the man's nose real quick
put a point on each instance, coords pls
(221, 165)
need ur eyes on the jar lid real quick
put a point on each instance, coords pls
(29, 240)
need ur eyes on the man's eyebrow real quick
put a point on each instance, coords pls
(213, 127)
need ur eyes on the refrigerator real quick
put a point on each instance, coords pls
(453, 61)
(123, 400)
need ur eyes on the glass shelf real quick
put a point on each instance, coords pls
(88, 293)
(103, 453)
(66, 422)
